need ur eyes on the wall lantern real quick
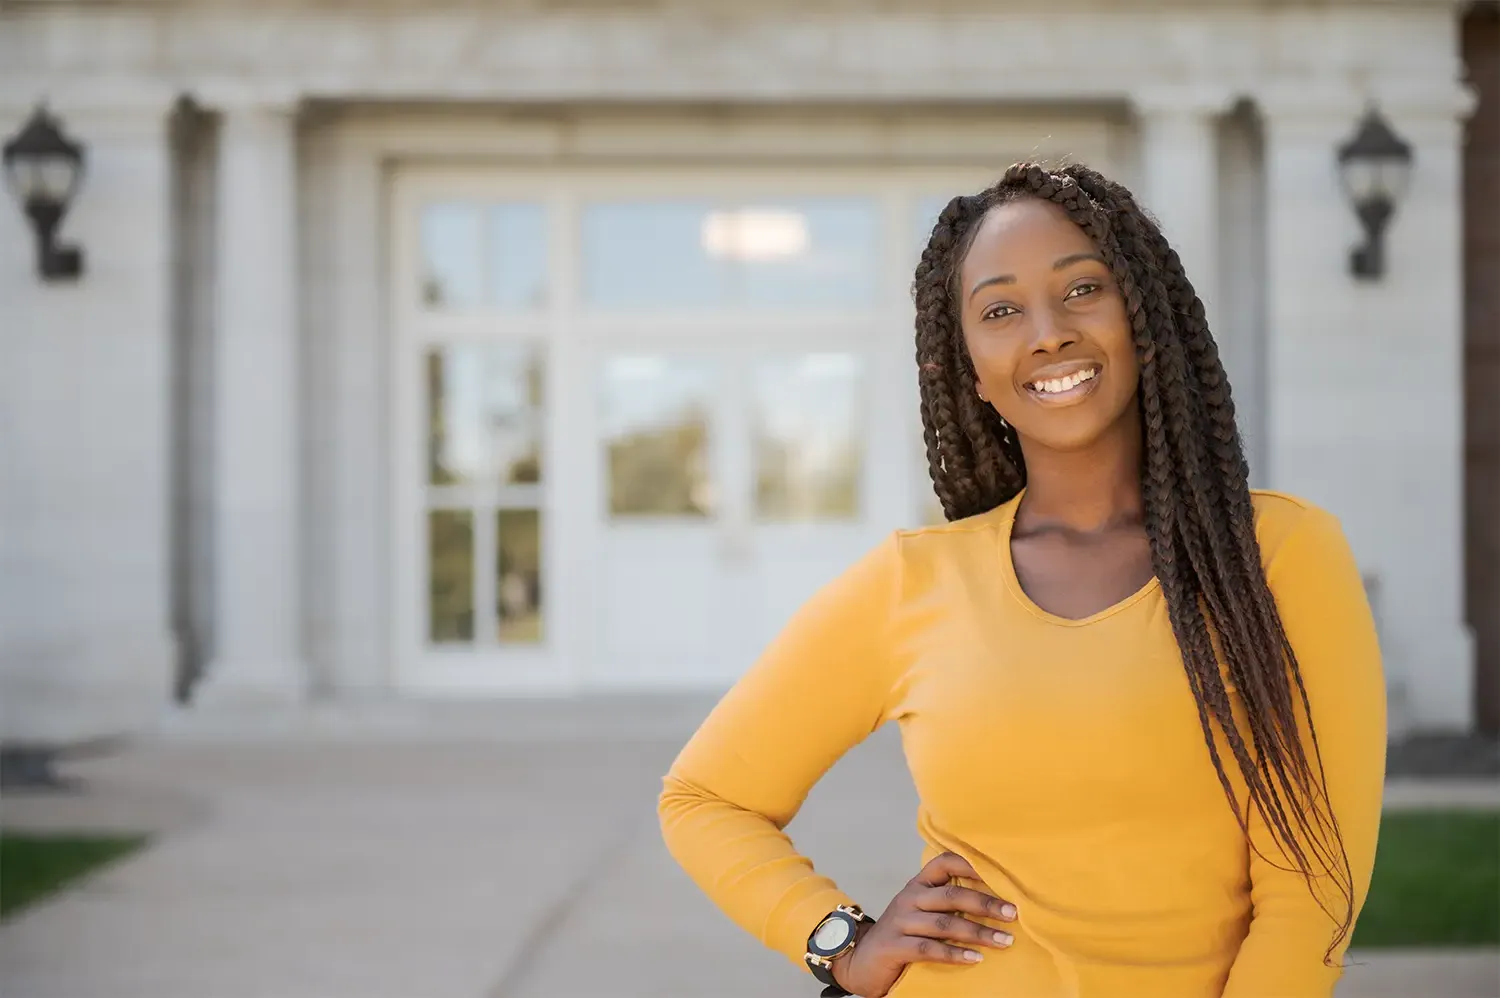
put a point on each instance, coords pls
(1374, 167)
(43, 169)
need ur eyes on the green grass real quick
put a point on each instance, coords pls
(1436, 883)
(33, 866)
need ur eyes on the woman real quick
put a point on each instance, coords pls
(1142, 705)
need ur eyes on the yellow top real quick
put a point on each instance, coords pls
(1062, 758)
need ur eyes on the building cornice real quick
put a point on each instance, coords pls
(1146, 54)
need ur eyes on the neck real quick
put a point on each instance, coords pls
(1090, 489)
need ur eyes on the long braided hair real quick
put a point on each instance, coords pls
(1195, 488)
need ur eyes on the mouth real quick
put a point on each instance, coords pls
(1063, 387)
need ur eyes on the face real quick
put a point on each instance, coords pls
(1046, 328)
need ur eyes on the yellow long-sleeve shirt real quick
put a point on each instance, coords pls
(1063, 758)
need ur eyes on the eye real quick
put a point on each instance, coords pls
(1086, 288)
(999, 311)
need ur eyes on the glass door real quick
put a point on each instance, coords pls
(674, 562)
(475, 460)
(733, 333)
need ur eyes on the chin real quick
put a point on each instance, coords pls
(1055, 435)
(1068, 444)
(1078, 428)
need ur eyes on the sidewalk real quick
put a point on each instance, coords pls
(321, 864)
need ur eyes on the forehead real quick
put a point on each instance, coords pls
(1020, 236)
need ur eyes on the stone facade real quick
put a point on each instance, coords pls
(232, 214)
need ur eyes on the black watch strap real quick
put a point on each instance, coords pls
(825, 976)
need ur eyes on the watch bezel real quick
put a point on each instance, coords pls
(838, 915)
(852, 915)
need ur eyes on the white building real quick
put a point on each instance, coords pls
(473, 350)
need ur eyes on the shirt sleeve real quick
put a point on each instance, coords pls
(1321, 598)
(819, 689)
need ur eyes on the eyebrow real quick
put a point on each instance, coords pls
(1059, 264)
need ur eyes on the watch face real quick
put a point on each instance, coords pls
(832, 935)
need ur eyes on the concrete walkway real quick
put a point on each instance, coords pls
(310, 860)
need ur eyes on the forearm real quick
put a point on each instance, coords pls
(747, 866)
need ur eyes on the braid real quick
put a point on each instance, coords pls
(973, 467)
(1199, 517)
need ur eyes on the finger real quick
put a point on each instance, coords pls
(955, 897)
(949, 927)
(920, 949)
(945, 867)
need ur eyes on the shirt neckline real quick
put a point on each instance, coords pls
(1013, 581)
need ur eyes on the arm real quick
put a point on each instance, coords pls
(817, 691)
(1327, 619)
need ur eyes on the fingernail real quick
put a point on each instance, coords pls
(1004, 938)
(1007, 911)
(971, 956)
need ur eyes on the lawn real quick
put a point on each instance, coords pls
(32, 866)
(1437, 881)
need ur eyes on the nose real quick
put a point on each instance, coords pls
(1050, 332)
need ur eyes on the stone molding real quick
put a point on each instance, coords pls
(1154, 55)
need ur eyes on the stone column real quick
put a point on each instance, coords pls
(85, 646)
(1365, 379)
(258, 643)
(1180, 177)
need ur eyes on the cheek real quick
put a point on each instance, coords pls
(994, 360)
(1119, 347)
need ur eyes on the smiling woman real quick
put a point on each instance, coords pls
(1143, 705)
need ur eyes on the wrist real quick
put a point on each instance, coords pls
(840, 966)
(832, 942)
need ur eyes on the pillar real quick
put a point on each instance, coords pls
(1180, 175)
(257, 650)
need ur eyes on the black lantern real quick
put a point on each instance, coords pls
(43, 169)
(1374, 166)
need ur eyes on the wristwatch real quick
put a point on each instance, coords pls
(835, 935)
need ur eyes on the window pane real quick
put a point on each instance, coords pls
(808, 253)
(450, 573)
(696, 254)
(518, 575)
(484, 409)
(656, 436)
(809, 450)
(452, 256)
(518, 256)
(650, 254)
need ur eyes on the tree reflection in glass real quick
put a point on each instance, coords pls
(484, 405)
(809, 451)
(656, 436)
(518, 575)
(450, 553)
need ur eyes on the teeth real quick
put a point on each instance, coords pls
(1056, 385)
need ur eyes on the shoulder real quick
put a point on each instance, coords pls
(1297, 536)
(945, 543)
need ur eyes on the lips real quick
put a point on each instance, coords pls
(1063, 383)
